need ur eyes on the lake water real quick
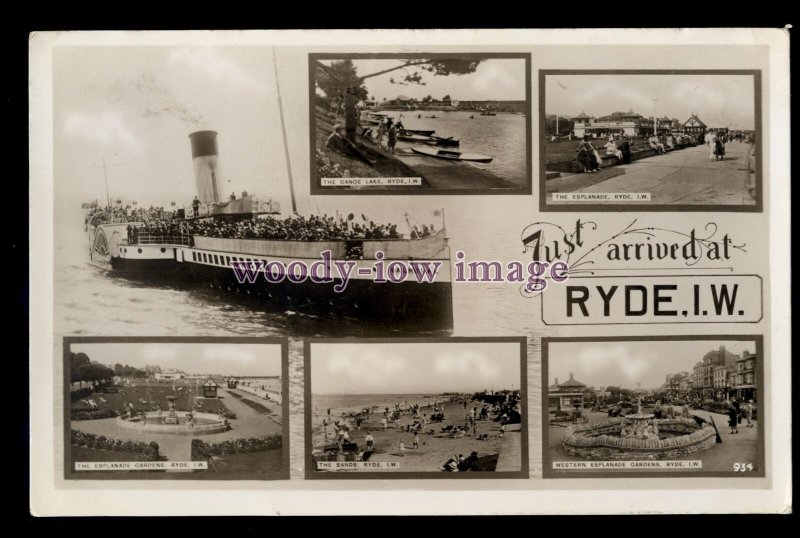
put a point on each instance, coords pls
(501, 137)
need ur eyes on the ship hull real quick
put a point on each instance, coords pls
(408, 305)
(144, 267)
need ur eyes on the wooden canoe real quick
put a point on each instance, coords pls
(451, 155)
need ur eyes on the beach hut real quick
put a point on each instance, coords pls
(210, 389)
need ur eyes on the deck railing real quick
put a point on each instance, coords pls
(162, 239)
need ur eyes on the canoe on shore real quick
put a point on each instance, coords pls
(441, 141)
(420, 132)
(415, 138)
(452, 155)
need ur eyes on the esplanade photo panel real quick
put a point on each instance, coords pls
(650, 140)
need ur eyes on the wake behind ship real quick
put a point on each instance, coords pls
(195, 247)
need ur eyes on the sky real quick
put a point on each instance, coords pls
(207, 358)
(718, 100)
(625, 364)
(500, 79)
(412, 368)
(136, 106)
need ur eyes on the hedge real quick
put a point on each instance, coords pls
(202, 450)
(93, 414)
(147, 451)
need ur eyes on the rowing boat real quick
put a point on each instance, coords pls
(420, 132)
(441, 141)
(407, 137)
(451, 155)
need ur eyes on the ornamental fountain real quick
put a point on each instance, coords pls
(639, 425)
(638, 436)
(175, 422)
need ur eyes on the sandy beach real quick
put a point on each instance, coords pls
(434, 449)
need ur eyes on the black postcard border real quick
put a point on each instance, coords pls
(547, 462)
(311, 474)
(71, 475)
(758, 97)
(316, 189)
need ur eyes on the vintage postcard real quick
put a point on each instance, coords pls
(395, 271)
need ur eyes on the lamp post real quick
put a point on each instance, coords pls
(655, 118)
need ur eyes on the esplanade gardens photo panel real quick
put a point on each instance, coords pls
(653, 406)
(175, 409)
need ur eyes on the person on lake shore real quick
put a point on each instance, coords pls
(337, 143)
(392, 137)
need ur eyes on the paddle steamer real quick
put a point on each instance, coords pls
(209, 261)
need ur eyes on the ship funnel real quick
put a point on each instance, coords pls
(206, 167)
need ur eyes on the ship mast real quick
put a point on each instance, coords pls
(105, 178)
(283, 131)
(105, 175)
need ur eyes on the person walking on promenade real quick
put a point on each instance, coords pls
(711, 141)
(733, 419)
(748, 413)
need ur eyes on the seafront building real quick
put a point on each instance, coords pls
(722, 375)
(633, 124)
(566, 396)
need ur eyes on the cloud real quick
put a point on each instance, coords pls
(157, 353)
(618, 359)
(468, 364)
(150, 99)
(717, 99)
(495, 75)
(367, 369)
(102, 128)
(211, 63)
(413, 368)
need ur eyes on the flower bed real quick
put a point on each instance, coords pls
(94, 414)
(145, 451)
(602, 441)
(202, 450)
